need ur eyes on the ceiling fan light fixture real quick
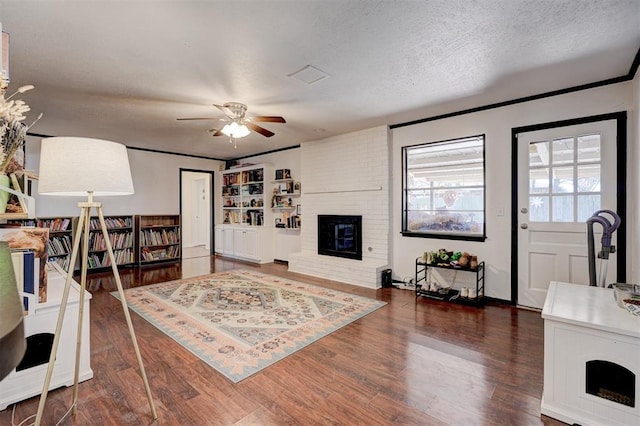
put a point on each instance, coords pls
(235, 130)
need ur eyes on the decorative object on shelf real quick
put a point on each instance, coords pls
(283, 174)
(12, 134)
(66, 171)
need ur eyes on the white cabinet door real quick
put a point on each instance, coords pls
(219, 240)
(246, 243)
(227, 242)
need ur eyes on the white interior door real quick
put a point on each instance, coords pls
(565, 174)
(200, 227)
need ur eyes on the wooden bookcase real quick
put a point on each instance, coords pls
(158, 239)
(60, 237)
(120, 231)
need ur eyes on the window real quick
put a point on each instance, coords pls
(564, 179)
(443, 189)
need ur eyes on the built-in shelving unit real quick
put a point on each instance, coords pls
(158, 239)
(243, 196)
(286, 203)
(246, 231)
(60, 237)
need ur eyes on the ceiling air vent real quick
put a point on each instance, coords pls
(309, 74)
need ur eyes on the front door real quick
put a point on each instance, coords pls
(565, 174)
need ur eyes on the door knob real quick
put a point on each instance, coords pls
(524, 226)
(524, 210)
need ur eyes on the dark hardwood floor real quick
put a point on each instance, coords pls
(412, 362)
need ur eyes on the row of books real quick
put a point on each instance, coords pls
(150, 237)
(287, 221)
(171, 252)
(96, 260)
(253, 217)
(256, 175)
(62, 261)
(252, 189)
(119, 240)
(55, 225)
(111, 222)
(25, 267)
(59, 245)
(230, 179)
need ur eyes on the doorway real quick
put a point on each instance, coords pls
(563, 173)
(196, 211)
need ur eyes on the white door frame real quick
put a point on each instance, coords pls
(211, 207)
(621, 165)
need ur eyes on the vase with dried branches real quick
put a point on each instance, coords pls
(12, 135)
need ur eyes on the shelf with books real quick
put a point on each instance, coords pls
(243, 195)
(60, 237)
(285, 201)
(120, 232)
(158, 238)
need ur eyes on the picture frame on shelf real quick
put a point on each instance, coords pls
(298, 209)
(283, 174)
(296, 187)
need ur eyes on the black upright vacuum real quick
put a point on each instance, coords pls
(607, 248)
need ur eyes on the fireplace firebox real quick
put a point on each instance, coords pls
(340, 236)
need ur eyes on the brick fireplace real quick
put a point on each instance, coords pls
(347, 175)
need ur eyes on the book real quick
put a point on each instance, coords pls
(29, 283)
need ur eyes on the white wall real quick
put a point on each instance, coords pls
(156, 180)
(496, 124)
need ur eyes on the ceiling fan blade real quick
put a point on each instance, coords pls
(216, 132)
(258, 129)
(268, 119)
(199, 118)
(226, 111)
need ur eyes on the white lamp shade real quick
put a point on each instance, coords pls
(235, 130)
(76, 166)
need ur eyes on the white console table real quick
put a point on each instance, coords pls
(20, 385)
(583, 324)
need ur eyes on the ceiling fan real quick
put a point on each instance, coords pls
(239, 124)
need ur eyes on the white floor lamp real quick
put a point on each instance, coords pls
(84, 167)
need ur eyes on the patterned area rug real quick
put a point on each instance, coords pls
(240, 322)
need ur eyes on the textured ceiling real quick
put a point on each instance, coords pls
(125, 70)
